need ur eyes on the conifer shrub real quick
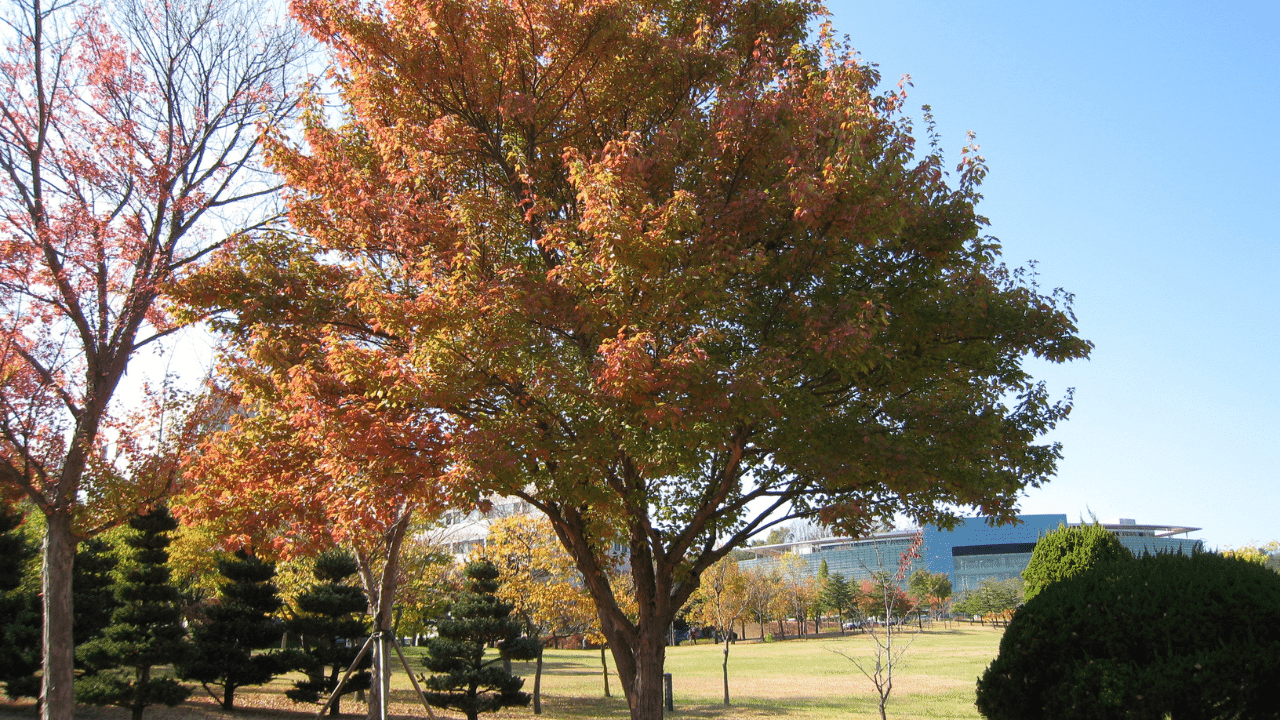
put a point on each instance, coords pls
(464, 679)
(234, 626)
(146, 629)
(19, 611)
(93, 589)
(330, 624)
(1192, 638)
(1069, 551)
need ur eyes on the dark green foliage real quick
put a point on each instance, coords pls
(838, 596)
(145, 631)
(329, 621)
(19, 612)
(464, 680)
(93, 589)
(15, 551)
(1194, 638)
(1069, 551)
(236, 625)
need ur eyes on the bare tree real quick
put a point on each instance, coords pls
(129, 151)
(888, 649)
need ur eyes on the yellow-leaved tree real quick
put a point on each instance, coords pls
(539, 577)
(724, 596)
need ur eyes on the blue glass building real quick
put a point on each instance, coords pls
(972, 552)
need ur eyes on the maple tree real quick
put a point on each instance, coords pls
(129, 148)
(314, 458)
(671, 273)
(763, 591)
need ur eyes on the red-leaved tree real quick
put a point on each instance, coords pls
(129, 146)
(309, 462)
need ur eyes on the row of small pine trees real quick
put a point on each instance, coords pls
(129, 624)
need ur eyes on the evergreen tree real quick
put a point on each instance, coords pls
(1068, 552)
(145, 631)
(464, 680)
(1192, 638)
(93, 589)
(19, 611)
(236, 625)
(837, 596)
(327, 616)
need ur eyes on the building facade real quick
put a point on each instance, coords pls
(972, 552)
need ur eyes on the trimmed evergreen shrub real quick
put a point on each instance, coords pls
(464, 679)
(1194, 638)
(20, 652)
(93, 589)
(233, 627)
(20, 612)
(329, 621)
(1069, 551)
(145, 631)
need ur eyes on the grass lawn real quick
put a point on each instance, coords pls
(800, 679)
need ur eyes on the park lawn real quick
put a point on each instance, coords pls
(806, 679)
(797, 679)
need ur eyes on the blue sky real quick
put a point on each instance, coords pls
(1133, 154)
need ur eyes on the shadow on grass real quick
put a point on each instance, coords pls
(558, 667)
(608, 708)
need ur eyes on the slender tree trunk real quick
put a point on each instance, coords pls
(143, 677)
(537, 685)
(57, 697)
(333, 682)
(381, 591)
(604, 670)
(725, 667)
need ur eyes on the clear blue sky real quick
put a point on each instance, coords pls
(1133, 152)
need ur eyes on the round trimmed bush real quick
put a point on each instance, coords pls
(1068, 551)
(1190, 638)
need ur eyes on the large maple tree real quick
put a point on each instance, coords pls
(672, 273)
(129, 150)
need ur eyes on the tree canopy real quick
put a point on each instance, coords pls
(659, 270)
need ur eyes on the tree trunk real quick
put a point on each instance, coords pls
(57, 697)
(604, 670)
(381, 592)
(725, 667)
(334, 677)
(537, 685)
(645, 698)
(141, 679)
